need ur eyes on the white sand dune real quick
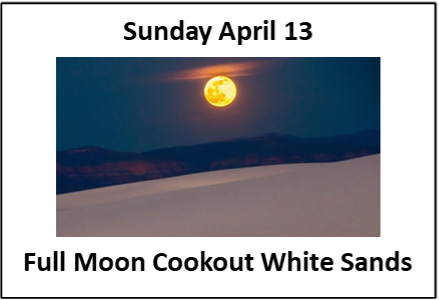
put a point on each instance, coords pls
(325, 199)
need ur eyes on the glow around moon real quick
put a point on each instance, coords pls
(220, 91)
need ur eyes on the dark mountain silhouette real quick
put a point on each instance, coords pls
(94, 167)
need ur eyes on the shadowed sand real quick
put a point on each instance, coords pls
(319, 199)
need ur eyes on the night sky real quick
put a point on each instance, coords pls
(140, 104)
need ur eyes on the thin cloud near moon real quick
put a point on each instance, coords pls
(232, 70)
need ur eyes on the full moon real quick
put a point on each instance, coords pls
(220, 91)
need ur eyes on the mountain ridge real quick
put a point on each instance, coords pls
(92, 167)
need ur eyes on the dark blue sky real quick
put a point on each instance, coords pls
(139, 104)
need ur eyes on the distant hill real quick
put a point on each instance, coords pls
(94, 167)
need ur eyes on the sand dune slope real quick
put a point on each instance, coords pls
(329, 199)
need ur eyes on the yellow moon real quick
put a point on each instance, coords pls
(220, 91)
